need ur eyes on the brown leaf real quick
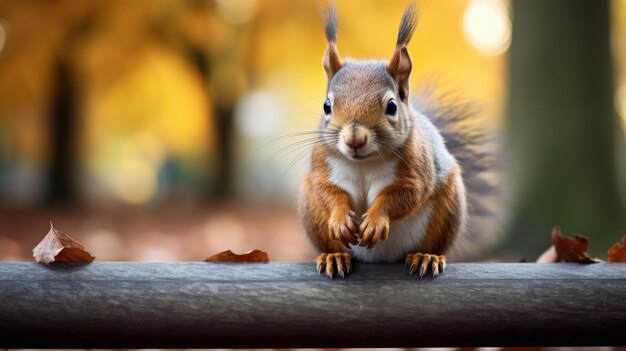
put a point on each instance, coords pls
(569, 250)
(229, 256)
(58, 246)
(617, 252)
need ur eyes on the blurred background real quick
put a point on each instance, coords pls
(154, 130)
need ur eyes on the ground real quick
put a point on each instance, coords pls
(173, 233)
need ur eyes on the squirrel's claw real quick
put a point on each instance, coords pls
(421, 263)
(373, 229)
(339, 263)
(344, 229)
(355, 222)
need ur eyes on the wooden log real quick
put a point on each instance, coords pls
(280, 305)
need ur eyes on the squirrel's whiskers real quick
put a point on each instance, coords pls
(382, 185)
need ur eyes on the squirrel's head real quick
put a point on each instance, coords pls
(367, 112)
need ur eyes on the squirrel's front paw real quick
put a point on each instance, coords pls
(331, 263)
(343, 227)
(423, 262)
(374, 228)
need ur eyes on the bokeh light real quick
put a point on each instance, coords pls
(487, 26)
(259, 114)
(135, 176)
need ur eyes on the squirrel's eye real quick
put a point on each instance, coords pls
(392, 107)
(327, 109)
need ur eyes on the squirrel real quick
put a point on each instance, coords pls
(383, 186)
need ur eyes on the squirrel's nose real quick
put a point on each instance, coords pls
(356, 143)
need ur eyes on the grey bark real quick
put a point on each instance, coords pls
(279, 305)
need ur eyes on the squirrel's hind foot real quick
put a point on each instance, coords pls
(421, 263)
(339, 263)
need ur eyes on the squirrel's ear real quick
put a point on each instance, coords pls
(332, 61)
(400, 67)
(400, 64)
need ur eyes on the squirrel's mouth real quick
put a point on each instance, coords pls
(357, 156)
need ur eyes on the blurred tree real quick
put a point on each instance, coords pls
(45, 61)
(62, 188)
(563, 127)
(61, 184)
(216, 39)
(64, 57)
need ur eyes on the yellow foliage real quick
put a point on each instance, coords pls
(158, 109)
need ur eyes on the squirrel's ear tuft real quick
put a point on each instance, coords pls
(332, 60)
(400, 67)
(410, 17)
(329, 16)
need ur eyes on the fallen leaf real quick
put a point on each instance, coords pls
(617, 252)
(229, 256)
(549, 256)
(569, 250)
(58, 246)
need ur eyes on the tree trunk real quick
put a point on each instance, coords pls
(61, 187)
(562, 124)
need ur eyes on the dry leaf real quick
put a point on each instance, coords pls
(58, 246)
(229, 256)
(617, 252)
(569, 250)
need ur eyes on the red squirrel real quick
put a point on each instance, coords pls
(382, 184)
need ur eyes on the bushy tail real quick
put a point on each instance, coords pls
(475, 147)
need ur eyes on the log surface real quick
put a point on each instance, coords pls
(288, 305)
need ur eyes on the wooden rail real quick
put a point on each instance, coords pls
(278, 305)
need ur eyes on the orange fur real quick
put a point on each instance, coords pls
(448, 217)
(414, 181)
(409, 192)
(322, 203)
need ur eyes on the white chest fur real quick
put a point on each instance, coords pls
(363, 181)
